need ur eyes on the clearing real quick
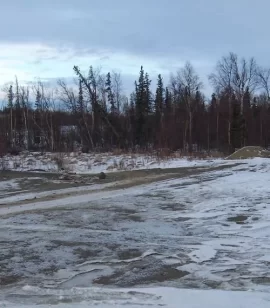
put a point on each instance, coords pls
(196, 235)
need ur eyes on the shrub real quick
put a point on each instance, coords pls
(59, 160)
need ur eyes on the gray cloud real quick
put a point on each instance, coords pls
(172, 30)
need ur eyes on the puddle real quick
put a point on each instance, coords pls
(182, 219)
(173, 207)
(129, 254)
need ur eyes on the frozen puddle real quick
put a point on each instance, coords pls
(206, 232)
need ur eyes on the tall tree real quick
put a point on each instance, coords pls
(159, 98)
(159, 109)
(235, 77)
(237, 122)
(90, 83)
(110, 94)
(168, 101)
(186, 85)
(11, 107)
(117, 86)
(263, 80)
(140, 108)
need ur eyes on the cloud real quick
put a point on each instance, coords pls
(46, 38)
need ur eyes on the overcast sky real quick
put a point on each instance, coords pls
(45, 38)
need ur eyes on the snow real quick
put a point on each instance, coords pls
(8, 184)
(67, 201)
(37, 195)
(215, 226)
(144, 297)
(203, 253)
(95, 163)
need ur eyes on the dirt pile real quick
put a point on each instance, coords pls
(250, 152)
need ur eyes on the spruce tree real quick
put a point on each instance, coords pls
(17, 96)
(158, 106)
(132, 117)
(159, 99)
(140, 108)
(168, 101)
(147, 95)
(110, 94)
(10, 98)
(80, 104)
(38, 103)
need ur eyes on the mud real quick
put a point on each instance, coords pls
(240, 219)
(119, 180)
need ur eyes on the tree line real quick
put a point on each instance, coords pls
(95, 114)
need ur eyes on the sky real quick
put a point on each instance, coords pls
(46, 38)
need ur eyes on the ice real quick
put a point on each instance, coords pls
(203, 253)
(8, 184)
(142, 297)
(36, 195)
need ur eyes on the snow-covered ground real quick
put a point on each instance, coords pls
(200, 241)
(95, 163)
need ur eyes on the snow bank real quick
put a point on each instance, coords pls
(250, 152)
(96, 163)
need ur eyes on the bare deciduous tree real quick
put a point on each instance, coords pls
(234, 77)
(187, 84)
(264, 80)
(117, 88)
(67, 95)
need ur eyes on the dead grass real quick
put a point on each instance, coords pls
(59, 160)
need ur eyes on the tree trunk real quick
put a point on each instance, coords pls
(217, 130)
(26, 130)
(208, 137)
(190, 133)
(11, 126)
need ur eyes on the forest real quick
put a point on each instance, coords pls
(94, 113)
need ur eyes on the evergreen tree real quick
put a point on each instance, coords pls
(80, 104)
(159, 99)
(132, 116)
(91, 77)
(147, 95)
(168, 101)
(10, 98)
(17, 96)
(111, 99)
(246, 101)
(140, 109)
(38, 103)
(158, 106)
